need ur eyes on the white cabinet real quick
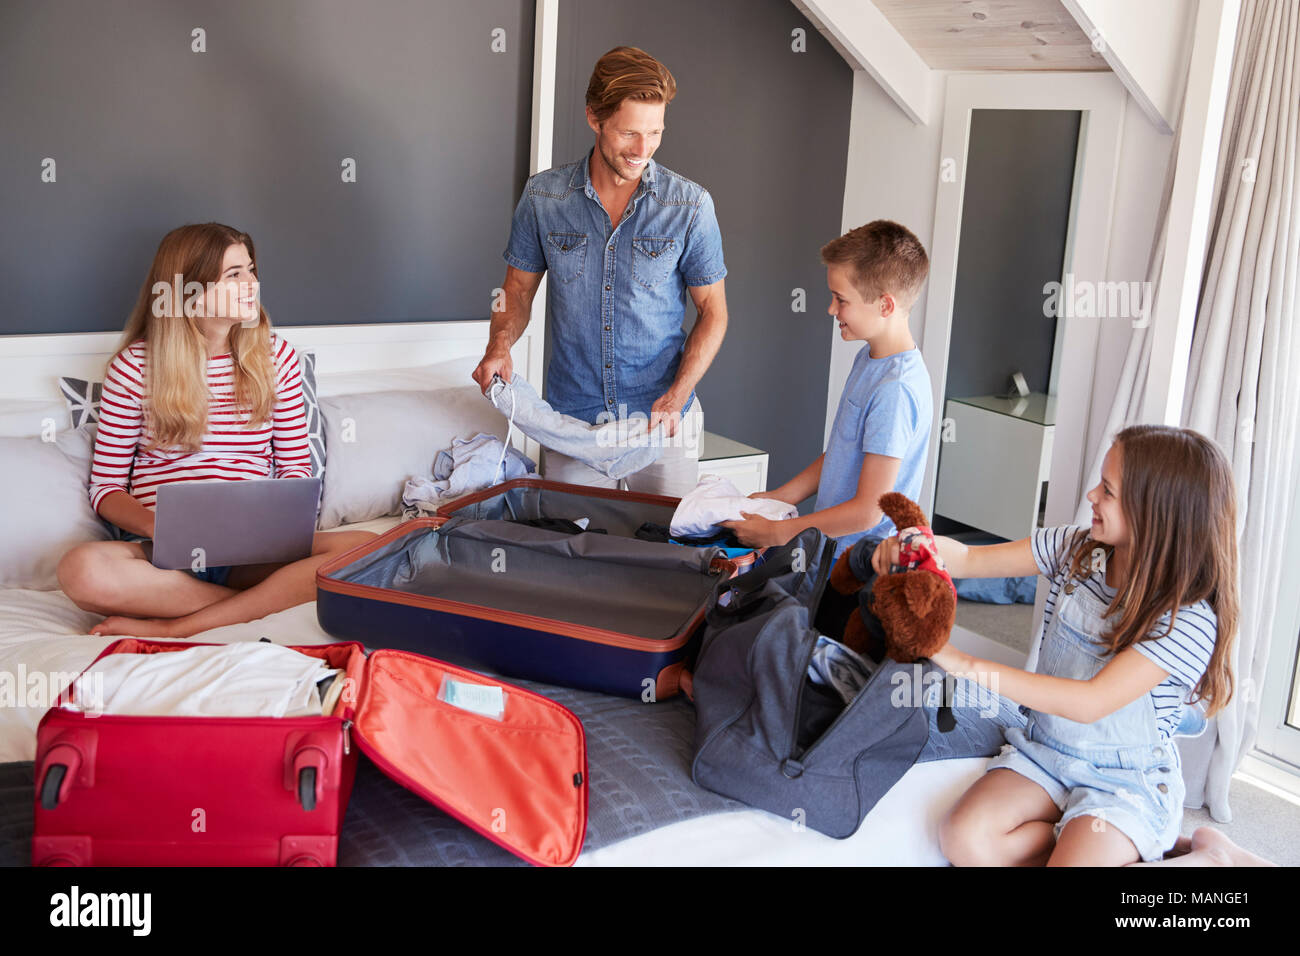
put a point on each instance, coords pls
(994, 455)
(743, 465)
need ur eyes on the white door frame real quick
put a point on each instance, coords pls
(1101, 98)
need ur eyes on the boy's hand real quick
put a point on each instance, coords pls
(885, 555)
(755, 531)
(774, 495)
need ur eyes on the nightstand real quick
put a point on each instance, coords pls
(994, 458)
(743, 465)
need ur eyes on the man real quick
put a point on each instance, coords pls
(623, 238)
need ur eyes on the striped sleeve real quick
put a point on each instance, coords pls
(121, 421)
(1184, 653)
(1052, 548)
(289, 419)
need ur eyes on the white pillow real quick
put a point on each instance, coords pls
(454, 373)
(375, 441)
(22, 417)
(45, 506)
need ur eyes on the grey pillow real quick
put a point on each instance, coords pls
(83, 399)
(45, 506)
(378, 440)
(315, 427)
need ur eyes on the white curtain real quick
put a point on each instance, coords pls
(1243, 382)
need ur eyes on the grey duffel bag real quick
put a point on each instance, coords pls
(767, 736)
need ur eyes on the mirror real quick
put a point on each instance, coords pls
(999, 411)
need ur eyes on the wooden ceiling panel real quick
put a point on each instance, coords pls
(993, 34)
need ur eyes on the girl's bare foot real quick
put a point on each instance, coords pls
(137, 627)
(1208, 847)
(1218, 850)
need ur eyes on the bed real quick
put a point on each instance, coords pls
(644, 808)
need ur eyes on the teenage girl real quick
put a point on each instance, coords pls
(200, 388)
(1139, 623)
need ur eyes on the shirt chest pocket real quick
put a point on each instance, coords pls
(850, 423)
(653, 259)
(566, 255)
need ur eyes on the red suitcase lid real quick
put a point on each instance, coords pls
(521, 780)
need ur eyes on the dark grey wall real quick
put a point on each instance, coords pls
(1015, 214)
(765, 130)
(148, 135)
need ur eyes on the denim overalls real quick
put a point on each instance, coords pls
(1118, 769)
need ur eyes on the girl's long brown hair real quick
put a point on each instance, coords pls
(176, 390)
(1180, 504)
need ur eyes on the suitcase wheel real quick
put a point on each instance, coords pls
(305, 859)
(307, 788)
(54, 775)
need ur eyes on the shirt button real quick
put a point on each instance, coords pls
(609, 401)
(609, 366)
(608, 288)
(1162, 787)
(1164, 769)
(1155, 750)
(607, 328)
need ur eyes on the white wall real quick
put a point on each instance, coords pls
(1143, 163)
(1148, 44)
(892, 173)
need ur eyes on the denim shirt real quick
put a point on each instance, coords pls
(617, 297)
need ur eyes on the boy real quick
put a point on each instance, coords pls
(882, 428)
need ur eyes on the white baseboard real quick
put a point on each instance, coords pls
(1261, 771)
(980, 646)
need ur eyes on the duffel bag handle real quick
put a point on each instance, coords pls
(747, 589)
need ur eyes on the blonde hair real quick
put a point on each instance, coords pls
(1174, 478)
(176, 388)
(626, 73)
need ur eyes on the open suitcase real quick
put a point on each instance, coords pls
(618, 513)
(594, 611)
(141, 790)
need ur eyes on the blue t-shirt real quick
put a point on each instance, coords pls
(886, 409)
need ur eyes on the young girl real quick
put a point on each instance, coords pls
(200, 388)
(1139, 623)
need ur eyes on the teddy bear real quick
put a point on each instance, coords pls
(914, 606)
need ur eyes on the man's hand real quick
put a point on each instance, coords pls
(495, 362)
(667, 409)
(774, 495)
(755, 531)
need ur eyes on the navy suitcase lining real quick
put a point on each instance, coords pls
(638, 588)
(619, 517)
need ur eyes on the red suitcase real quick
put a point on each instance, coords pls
(118, 790)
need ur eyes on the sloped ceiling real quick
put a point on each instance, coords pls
(993, 34)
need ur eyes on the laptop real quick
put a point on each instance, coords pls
(255, 521)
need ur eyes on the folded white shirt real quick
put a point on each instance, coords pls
(716, 499)
(248, 679)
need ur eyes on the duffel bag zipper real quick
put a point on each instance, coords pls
(823, 574)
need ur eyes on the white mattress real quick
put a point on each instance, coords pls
(43, 633)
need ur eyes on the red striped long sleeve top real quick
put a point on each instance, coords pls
(230, 451)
